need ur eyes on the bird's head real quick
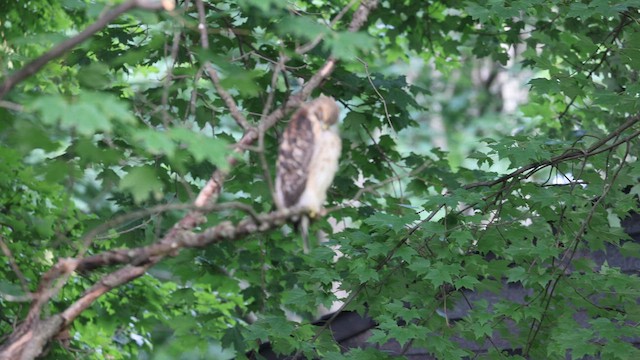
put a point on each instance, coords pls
(325, 109)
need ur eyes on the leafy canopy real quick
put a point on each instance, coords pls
(486, 145)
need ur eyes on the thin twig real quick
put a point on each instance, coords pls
(261, 132)
(384, 156)
(571, 155)
(202, 27)
(227, 98)
(175, 46)
(193, 99)
(384, 103)
(265, 166)
(11, 105)
(14, 265)
(371, 188)
(614, 35)
(277, 69)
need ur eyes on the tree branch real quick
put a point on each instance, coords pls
(213, 74)
(172, 246)
(226, 97)
(37, 64)
(571, 155)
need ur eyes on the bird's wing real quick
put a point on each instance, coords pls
(296, 152)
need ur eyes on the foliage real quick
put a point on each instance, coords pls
(100, 148)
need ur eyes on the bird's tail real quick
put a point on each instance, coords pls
(304, 230)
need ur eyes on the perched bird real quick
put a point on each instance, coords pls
(308, 160)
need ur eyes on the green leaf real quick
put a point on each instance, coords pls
(420, 265)
(10, 289)
(517, 274)
(347, 45)
(630, 249)
(478, 12)
(297, 298)
(51, 108)
(156, 142)
(94, 76)
(466, 282)
(442, 274)
(142, 182)
(482, 158)
(544, 86)
(88, 113)
(242, 80)
(391, 222)
(264, 5)
(203, 148)
(86, 118)
(302, 26)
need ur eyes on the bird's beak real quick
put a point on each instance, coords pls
(325, 126)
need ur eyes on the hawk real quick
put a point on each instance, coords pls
(308, 160)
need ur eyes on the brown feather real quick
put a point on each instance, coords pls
(296, 151)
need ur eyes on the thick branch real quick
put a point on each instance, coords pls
(223, 231)
(113, 280)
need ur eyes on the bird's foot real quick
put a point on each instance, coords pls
(317, 213)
